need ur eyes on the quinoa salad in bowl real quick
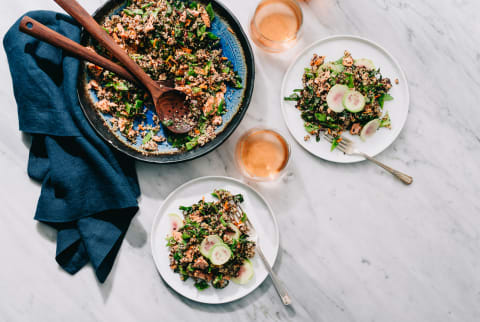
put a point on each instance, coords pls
(346, 95)
(185, 45)
(209, 245)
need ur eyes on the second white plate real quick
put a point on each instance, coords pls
(333, 48)
(258, 211)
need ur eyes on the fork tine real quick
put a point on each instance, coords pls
(237, 214)
(341, 148)
(240, 213)
(346, 140)
(343, 145)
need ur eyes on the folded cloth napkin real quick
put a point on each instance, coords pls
(89, 191)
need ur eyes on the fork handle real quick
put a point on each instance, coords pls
(281, 290)
(402, 176)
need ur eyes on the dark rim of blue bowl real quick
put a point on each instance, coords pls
(98, 123)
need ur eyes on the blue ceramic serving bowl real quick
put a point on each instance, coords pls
(236, 48)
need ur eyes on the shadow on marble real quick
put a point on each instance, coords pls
(26, 140)
(231, 307)
(46, 231)
(136, 234)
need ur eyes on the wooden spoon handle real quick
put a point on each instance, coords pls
(36, 29)
(87, 21)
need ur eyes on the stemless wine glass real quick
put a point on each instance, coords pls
(262, 154)
(275, 25)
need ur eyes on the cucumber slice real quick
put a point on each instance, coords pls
(364, 62)
(369, 129)
(233, 231)
(176, 222)
(220, 254)
(335, 97)
(353, 101)
(207, 244)
(337, 68)
(245, 273)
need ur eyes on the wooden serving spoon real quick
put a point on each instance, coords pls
(169, 102)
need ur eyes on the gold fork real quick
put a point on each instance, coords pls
(347, 146)
(252, 233)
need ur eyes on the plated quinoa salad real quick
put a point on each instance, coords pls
(208, 245)
(171, 41)
(344, 95)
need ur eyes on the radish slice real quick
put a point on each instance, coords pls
(245, 273)
(335, 97)
(175, 221)
(208, 243)
(369, 129)
(353, 101)
(221, 253)
(233, 231)
(364, 62)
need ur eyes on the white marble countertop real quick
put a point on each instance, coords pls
(356, 245)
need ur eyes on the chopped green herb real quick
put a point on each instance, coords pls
(385, 121)
(320, 117)
(244, 217)
(133, 13)
(177, 256)
(310, 128)
(201, 30)
(167, 123)
(201, 285)
(292, 97)
(169, 9)
(238, 85)
(148, 137)
(208, 66)
(221, 107)
(183, 208)
(383, 98)
(190, 145)
(238, 197)
(119, 86)
(223, 221)
(128, 107)
(350, 82)
(212, 36)
(335, 143)
(138, 104)
(170, 241)
(211, 13)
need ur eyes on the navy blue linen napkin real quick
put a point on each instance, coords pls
(89, 191)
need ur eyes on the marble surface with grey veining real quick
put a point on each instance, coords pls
(356, 245)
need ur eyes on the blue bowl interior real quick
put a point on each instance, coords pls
(232, 49)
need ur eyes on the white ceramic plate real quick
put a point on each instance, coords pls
(260, 214)
(333, 48)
